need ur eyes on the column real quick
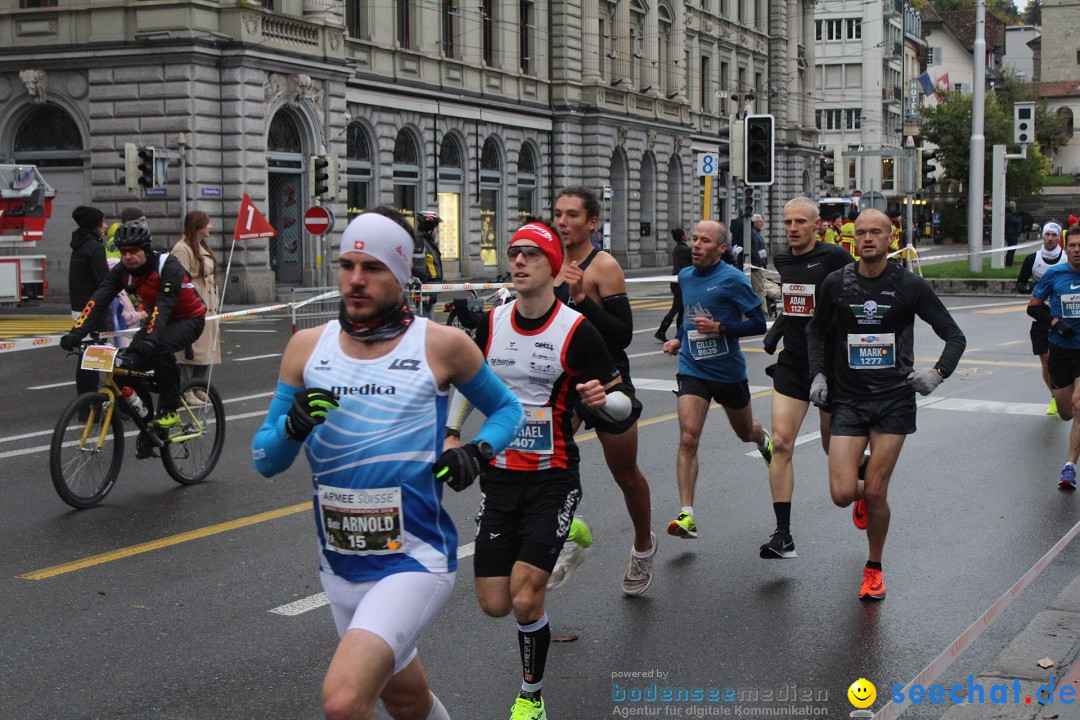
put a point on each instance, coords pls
(652, 49)
(590, 47)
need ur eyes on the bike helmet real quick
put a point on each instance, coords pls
(427, 221)
(134, 233)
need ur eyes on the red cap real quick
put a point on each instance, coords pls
(1073, 220)
(546, 239)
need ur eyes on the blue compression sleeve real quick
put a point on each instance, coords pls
(505, 415)
(753, 325)
(271, 451)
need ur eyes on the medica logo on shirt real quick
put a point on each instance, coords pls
(971, 692)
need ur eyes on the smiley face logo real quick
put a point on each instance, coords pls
(862, 693)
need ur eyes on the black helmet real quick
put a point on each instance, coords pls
(133, 233)
(427, 221)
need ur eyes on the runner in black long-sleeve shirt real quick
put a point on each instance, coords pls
(867, 311)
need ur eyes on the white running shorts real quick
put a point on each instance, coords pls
(397, 608)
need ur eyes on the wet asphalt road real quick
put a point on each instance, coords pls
(180, 626)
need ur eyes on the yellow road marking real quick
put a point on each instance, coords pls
(163, 542)
(998, 311)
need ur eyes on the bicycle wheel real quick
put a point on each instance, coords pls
(193, 449)
(85, 455)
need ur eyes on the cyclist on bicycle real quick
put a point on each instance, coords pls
(427, 259)
(175, 313)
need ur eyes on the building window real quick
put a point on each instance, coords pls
(637, 43)
(527, 183)
(357, 169)
(449, 28)
(852, 180)
(525, 20)
(451, 185)
(37, 3)
(888, 169)
(724, 79)
(705, 94)
(853, 119)
(406, 173)
(668, 67)
(827, 119)
(356, 20)
(934, 56)
(404, 24)
(1066, 115)
(487, 22)
(818, 24)
(834, 30)
(490, 201)
(284, 136)
(50, 137)
(854, 29)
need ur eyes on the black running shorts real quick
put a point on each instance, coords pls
(1064, 366)
(856, 418)
(731, 395)
(1040, 338)
(791, 377)
(524, 515)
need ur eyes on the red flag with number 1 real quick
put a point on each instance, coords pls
(250, 224)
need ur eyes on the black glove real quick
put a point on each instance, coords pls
(1064, 329)
(459, 467)
(71, 341)
(142, 346)
(309, 408)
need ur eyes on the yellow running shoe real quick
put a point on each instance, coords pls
(683, 526)
(1052, 410)
(526, 709)
(167, 421)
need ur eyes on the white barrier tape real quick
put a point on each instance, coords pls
(1025, 246)
(942, 661)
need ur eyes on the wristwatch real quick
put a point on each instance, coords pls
(486, 451)
(453, 432)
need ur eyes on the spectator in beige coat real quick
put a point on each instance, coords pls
(194, 253)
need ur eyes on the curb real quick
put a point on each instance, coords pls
(1053, 633)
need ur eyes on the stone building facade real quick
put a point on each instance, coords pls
(482, 112)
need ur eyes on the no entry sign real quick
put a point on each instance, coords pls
(318, 220)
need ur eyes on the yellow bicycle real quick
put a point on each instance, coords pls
(87, 446)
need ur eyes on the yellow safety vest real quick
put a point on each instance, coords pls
(847, 238)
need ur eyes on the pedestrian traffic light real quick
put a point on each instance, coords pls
(748, 196)
(758, 166)
(147, 165)
(928, 168)
(828, 168)
(131, 167)
(319, 176)
(331, 177)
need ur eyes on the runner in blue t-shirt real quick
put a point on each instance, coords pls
(1055, 301)
(719, 307)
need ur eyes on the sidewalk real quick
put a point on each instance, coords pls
(1054, 633)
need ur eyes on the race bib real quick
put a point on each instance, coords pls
(871, 352)
(537, 435)
(99, 358)
(704, 346)
(798, 299)
(362, 522)
(1070, 306)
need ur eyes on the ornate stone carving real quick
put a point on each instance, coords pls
(678, 143)
(251, 24)
(334, 39)
(274, 87)
(621, 133)
(35, 81)
(297, 89)
(650, 138)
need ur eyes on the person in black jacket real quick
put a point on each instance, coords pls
(681, 257)
(1013, 226)
(87, 268)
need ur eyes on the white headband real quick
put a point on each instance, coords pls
(383, 239)
(1051, 227)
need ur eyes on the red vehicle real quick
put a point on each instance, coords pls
(25, 206)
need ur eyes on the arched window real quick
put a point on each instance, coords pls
(1066, 115)
(451, 187)
(358, 169)
(406, 173)
(668, 63)
(638, 11)
(528, 203)
(49, 137)
(451, 167)
(491, 216)
(284, 135)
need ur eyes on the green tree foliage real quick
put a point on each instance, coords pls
(948, 125)
(1033, 13)
(1004, 9)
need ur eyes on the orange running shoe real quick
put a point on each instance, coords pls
(858, 514)
(873, 585)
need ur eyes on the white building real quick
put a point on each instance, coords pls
(1019, 55)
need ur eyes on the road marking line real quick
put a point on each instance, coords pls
(981, 305)
(51, 386)
(1012, 342)
(163, 542)
(999, 311)
(257, 357)
(238, 330)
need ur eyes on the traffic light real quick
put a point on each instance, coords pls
(131, 167)
(331, 177)
(1024, 123)
(928, 168)
(147, 165)
(828, 168)
(748, 195)
(758, 166)
(319, 175)
(729, 162)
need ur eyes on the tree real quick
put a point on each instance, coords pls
(948, 125)
(1004, 9)
(1033, 13)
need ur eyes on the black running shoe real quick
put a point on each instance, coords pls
(780, 545)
